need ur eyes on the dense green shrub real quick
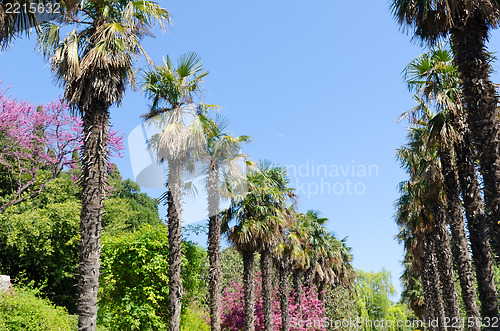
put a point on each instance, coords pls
(134, 279)
(21, 309)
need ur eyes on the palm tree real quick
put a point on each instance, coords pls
(329, 259)
(434, 78)
(301, 254)
(468, 23)
(335, 266)
(416, 235)
(172, 90)
(288, 249)
(221, 155)
(94, 64)
(316, 243)
(412, 294)
(15, 20)
(261, 218)
(426, 201)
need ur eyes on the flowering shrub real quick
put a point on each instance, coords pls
(233, 309)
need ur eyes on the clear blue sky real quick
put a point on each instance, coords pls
(316, 83)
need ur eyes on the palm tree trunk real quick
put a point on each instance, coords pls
(297, 289)
(174, 202)
(94, 164)
(321, 291)
(476, 221)
(481, 102)
(249, 288)
(309, 274)
(284, 271)
(459, 239)
(267, 289)
(214, 225)
(445, 268)
(433, 299)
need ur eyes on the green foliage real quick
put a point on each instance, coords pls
(134, 278)
(194, 318)
(39, 242)
(134, 283)
(39, 238)
(127, 208)
(340, 304)
(374, 290)
(231, 267)
(194, 273)
(23, 310)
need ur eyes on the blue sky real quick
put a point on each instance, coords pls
(317, 86)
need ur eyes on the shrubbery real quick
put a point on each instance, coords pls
(134, 279)
(21, 309)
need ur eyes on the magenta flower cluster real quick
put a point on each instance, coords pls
(36, 138)
(233, 314)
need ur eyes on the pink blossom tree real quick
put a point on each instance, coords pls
(36, 144)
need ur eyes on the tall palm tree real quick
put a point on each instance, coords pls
(434, 77)
(468, 23)
(15, 20)
(335, 266)
(261, 217)
(301, 254)
(94, 64)
(427, 206)
(221, 156)
(416, 235)
(329, 259)
(411, 281)
(172, 91)
(288, 250)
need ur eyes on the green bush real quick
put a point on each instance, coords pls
(23, 310)
(134, 279)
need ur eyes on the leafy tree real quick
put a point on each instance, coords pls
(39, 241)
(94, 64)
(374, 291)
(127, 208)
(340, 304)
